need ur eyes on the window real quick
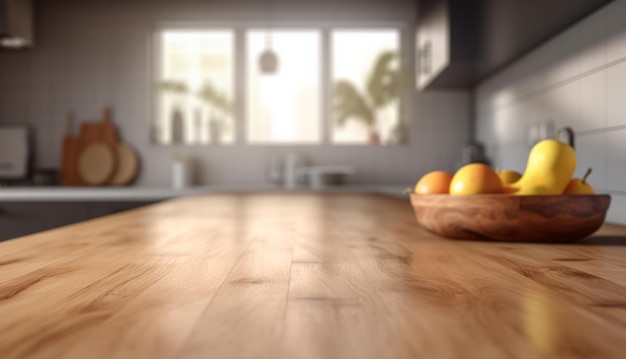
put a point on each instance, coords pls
(332, 86)
(365, 77)
(195, 87)
(284, 107)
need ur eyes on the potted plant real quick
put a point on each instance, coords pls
(382, 87)
(177, 120)
(222, 108)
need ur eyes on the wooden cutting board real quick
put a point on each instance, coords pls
(99, 132)
(96, 157)
(69, 156)
(127, 165)
(97, 163)
(108, 131)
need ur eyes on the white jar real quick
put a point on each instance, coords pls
(181, 177)
(290, 171)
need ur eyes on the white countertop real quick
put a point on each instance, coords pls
(132, 194)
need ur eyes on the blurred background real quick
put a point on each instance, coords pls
(109, 105)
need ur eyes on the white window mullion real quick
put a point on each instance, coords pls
(241, 113)
(326, 87)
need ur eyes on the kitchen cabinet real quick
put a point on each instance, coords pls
(23, 218)
(107, 208)
(19, 219)
(446, 43)
(461, 42)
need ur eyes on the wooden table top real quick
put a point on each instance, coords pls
(304, 276)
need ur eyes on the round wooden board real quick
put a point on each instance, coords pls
(96, 163)
(127, 165)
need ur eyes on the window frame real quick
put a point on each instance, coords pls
(240, 76)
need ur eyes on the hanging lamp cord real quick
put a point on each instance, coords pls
(268, 35)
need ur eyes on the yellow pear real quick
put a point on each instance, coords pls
(509, 176)
(533, 191)
(551, 164)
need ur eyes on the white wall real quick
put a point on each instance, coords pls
(576, 79)
(92, 53)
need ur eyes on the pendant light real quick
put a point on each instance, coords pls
(268, 61)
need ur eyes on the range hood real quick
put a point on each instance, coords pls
(16, 23)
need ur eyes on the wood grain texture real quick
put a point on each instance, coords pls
(501, 217)
(298, 275)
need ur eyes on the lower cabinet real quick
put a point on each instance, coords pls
(22, 218)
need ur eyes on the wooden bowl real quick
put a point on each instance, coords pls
(505, 217)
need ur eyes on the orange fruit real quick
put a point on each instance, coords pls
(476, 178)
(579, 186)
(436, 182)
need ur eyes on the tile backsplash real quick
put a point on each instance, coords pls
(576, 79)
(89, 54)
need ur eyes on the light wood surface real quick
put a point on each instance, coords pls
(298, 275)
(504, 217)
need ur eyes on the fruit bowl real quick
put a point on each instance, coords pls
(505, 217)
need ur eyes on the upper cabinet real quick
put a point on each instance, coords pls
(446, 42)
(461, 42)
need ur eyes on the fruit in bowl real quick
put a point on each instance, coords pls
(551, 164)
(509, 176)
(580, 186)
(476, 178)
(436, 182)
(543, 204)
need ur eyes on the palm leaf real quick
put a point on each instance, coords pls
(383, 83)
(215, 97)
(173, 86)
(350, 104)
